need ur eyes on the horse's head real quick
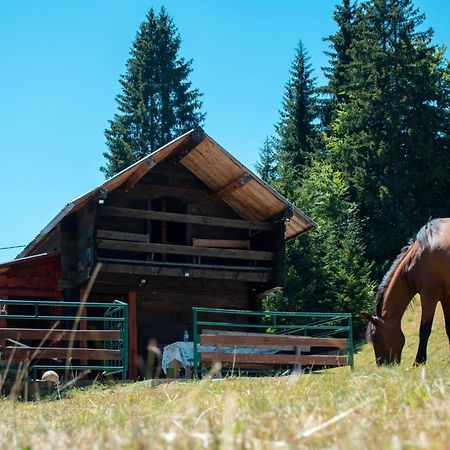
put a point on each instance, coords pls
(388, 341)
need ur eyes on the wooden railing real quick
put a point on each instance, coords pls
(239, 357)
(45, 347)
(270, 341)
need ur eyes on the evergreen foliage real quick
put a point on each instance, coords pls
(297, 129)
(336, 91)
(390, 132)
(266, 166)
(157, 102)
(326, 269)
(380, 170)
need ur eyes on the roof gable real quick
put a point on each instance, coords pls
(228, 179)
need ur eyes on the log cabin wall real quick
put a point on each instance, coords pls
(171, 220)
(168, 285)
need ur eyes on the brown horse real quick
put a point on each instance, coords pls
(423, 268)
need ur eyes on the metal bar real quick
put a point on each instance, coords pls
(124, 349)
(62, 367)
(116, 319)
(196, 341)
(251, 325)
(350, 344)
(312, 325)
(272, 313)
(58, 303)
(24, 316)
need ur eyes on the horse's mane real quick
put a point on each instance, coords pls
(379, 299)
(425, 234)
(424, 237)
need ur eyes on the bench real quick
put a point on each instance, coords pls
(286, 351)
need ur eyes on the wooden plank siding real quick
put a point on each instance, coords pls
(140, 247)
(186, 218)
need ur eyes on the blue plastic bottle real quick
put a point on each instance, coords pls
(186, 336)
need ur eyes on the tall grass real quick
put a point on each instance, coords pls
(373, 408)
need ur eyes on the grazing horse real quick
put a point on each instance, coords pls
(423, 268)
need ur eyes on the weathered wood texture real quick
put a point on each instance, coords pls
(132, 336)
(241, 359)
(164, 310)
(47, 335)
(268, 340)
(274, 342)
(33, 278)
(185, 225)
(36, 353)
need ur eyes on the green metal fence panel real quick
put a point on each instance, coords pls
(110, 316)
(309, 324)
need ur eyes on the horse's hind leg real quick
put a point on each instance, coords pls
(428, 302)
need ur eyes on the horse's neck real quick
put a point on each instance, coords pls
(397, 297)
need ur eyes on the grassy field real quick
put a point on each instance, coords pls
(373, 408)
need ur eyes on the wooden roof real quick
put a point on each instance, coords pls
(227, 178)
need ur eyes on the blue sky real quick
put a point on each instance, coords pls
(60, 65)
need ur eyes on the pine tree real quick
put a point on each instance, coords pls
(326, 269)
(157, 102)
(336, 91)
(390, 137)
(297, 131)
(266, 166)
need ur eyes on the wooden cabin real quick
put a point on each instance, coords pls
(186, 226)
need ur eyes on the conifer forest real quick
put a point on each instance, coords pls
(365, 155)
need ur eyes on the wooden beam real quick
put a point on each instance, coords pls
(121, 236)
(316, 360)
(186, 218)
(237, 183)
(91, 282)
(139, 173)
(222, 243)
(132, 336)
(271, 340)
(161, 271)
(58, 334)
(23, 353)
(279, 244)
(195, 138)
(172, 249)
(3, 323)
(24, 292)
(180, 265)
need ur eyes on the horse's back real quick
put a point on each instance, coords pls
(430, 263)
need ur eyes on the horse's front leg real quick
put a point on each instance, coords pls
(428, 302)
(446, 309)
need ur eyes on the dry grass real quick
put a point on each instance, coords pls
(399, 407)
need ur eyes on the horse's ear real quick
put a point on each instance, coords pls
(372, 319)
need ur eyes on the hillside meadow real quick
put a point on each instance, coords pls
(368, 408)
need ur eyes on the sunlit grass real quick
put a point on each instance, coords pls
(375, 408)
